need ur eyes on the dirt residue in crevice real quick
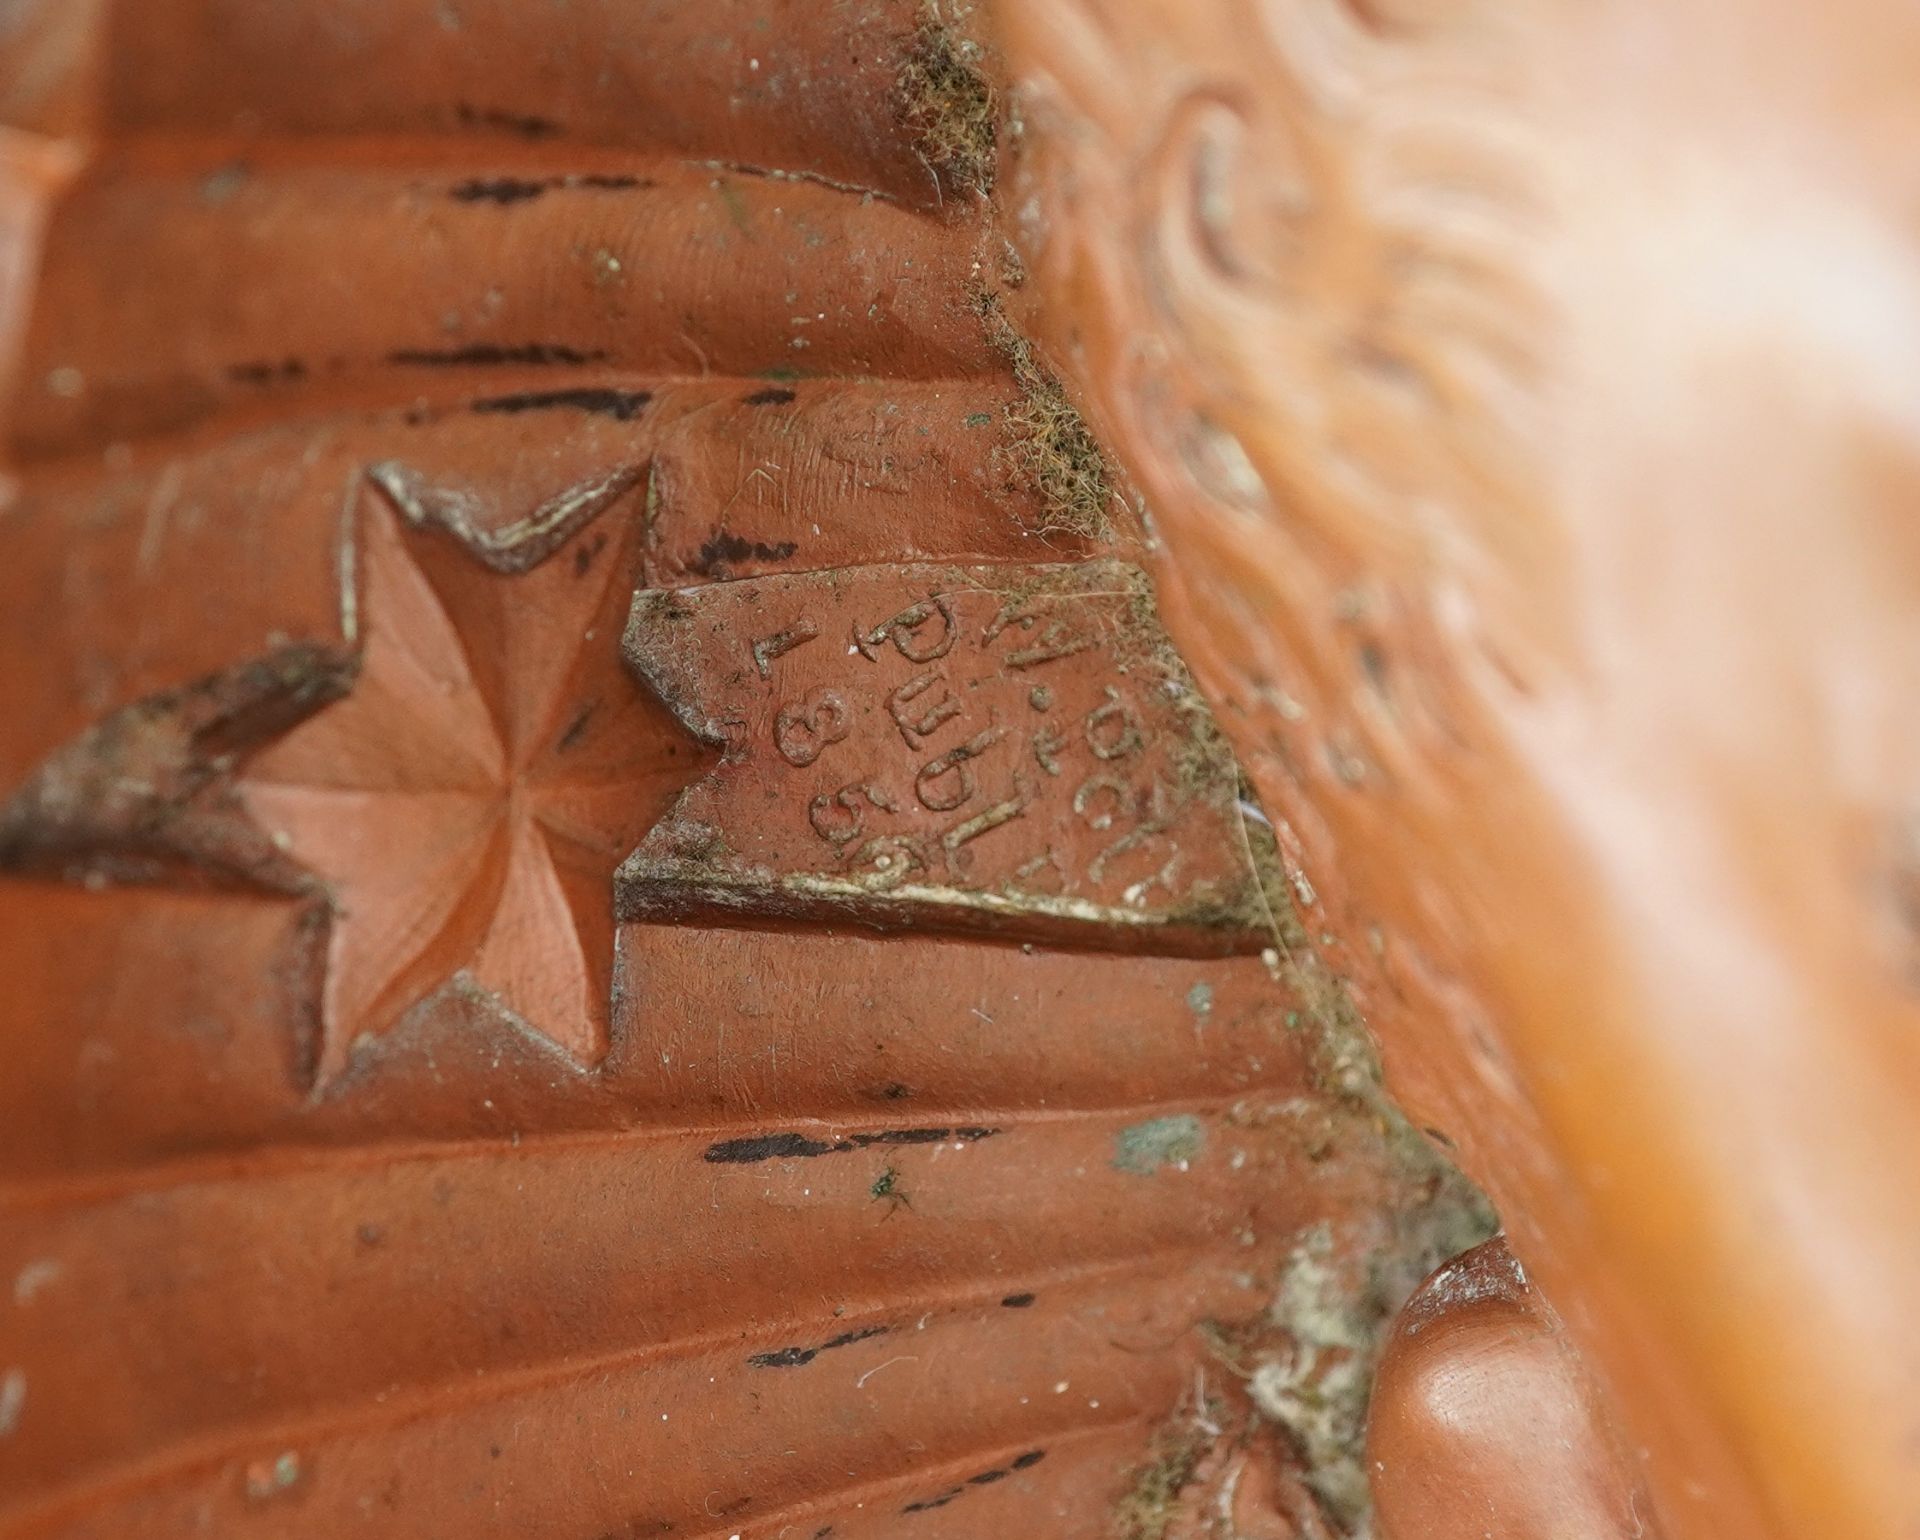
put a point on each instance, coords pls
(1152, 1501)
(1049, 446)
(1308, 1361)
(146, 794)
(947, 103)
(1308, 1364)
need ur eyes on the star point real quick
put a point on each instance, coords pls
(450, 788)
(468, 801)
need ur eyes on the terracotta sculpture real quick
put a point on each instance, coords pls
(1524, 396)
(646, 892)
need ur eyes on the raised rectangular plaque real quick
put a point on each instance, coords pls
(1007, 748)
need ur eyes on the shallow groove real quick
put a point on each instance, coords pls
(891, 1495)
(681, 266)
(750, 80)
(292, 1161)
(201, 1455)
(626, 1262)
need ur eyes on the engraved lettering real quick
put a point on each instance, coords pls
(1090, 791)
(803, 730)
(840, 817)
(1059, 640)
(1114, 807)
(1131, 840)
(1135, 893)
(1048, 862)
(888, 862)
(943, 710)
(767, 648)
(972, 828)
(1113, 731)
(1154, 813)
(946, 783)
(911, 633)
(1003, 617)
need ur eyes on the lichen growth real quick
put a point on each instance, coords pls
(1143, 1148)
(948, 104)
(1147, 1509)
(1309, 1365)
(1049, 445)
(1315, 1387)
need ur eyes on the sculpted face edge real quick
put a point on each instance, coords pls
(1526, 397)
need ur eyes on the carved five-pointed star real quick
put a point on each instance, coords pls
(466, 803)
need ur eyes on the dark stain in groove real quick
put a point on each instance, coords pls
(773, 395)
(621, 405)
(794, 1357)
(502, 190)
(1017, 1301)
(577, 729)
(266, 373)
(793, 1146)
(508, 190)
(740, 1152)
(723, 548)
(498, 353)
(986, 1478)
(583, 557)
(523, 124)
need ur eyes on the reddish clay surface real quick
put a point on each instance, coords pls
(1485, 1425)
(1013, 749)
(466, 803)
(1524, 394)
(391, 1142)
